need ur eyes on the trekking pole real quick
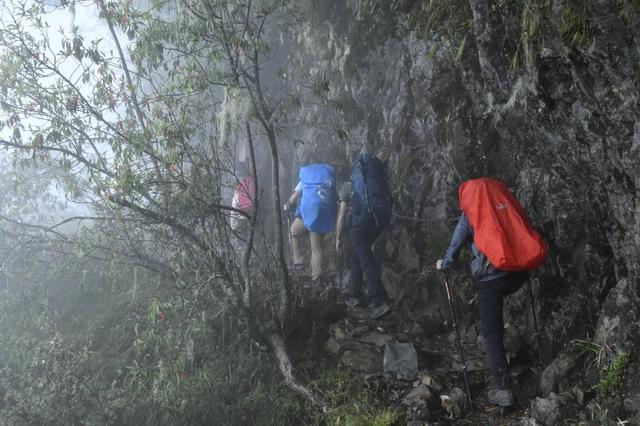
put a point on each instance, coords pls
(533, 309)
(455, 324)
(288, 215)
(535, 319)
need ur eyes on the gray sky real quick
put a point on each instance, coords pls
(85, 21)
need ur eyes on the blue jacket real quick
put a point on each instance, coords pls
(480, 266)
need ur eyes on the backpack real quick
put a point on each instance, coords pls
(244, 194)
(501, 229)
(371, 200)
(318, 207)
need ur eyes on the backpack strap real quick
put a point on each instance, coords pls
(366, 192)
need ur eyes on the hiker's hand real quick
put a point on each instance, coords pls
(338, 245)
(439, 264)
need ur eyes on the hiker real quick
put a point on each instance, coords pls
(503, 237)
(365, 206)
(243, 199)
(316, 196)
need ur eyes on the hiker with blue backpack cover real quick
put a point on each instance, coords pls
(315, 213)
(366, 207)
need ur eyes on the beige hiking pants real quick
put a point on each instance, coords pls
(298, 231)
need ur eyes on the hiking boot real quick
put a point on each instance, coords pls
(501, 397)
(380, 311)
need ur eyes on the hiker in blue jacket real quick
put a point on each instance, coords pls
(365, 206)
(315, 195)
(493, 286)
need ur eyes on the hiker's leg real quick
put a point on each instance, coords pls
(513, 282)
(316, 255)
(355, 275)
(363, 237)
(490, 305)
(297, 232)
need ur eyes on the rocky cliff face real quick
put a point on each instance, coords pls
(544, 95)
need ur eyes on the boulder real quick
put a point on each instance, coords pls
(332, 346)
(400, 361)
(550, 410)
(416, 330)
(555, 372)
(453, 403)
(378, 339)
(417, 400)
(425, 378)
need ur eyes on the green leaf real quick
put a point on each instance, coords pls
(461, 49)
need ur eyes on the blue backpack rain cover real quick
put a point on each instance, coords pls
(318, 206)
(371, 201)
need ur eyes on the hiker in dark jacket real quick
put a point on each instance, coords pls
(364, 231)
(493, 286)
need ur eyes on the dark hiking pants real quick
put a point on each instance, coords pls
(362, 260)
(491, 295)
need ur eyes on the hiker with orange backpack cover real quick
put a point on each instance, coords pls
(504, 247)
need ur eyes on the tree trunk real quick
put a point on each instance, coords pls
(284, 289)
(286, 368)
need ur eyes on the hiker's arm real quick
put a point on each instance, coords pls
(295, 195)
(342, 214)
(293, 199)
(461, 235)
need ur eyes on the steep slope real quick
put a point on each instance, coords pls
(542, 95)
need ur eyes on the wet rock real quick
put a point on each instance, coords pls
(513, 341)
(339, 333)
(632, 403)
(431, 325)
(555, 372)
(473, 364)
(402, 337)
(551, 409)
(418, 401)
(391, 281)
(332, 346)
(408, 257)
(546, 410)
(400, 361)
(578, 395)
(618, 323)
(425, 378)
(471, 335)
(362, 360)
(359, 330)
(453, 402)
(344, 280)
(380, 340)
(416, 330)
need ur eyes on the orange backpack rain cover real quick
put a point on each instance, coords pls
(501, 229)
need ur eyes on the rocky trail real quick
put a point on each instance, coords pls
(416, 369)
